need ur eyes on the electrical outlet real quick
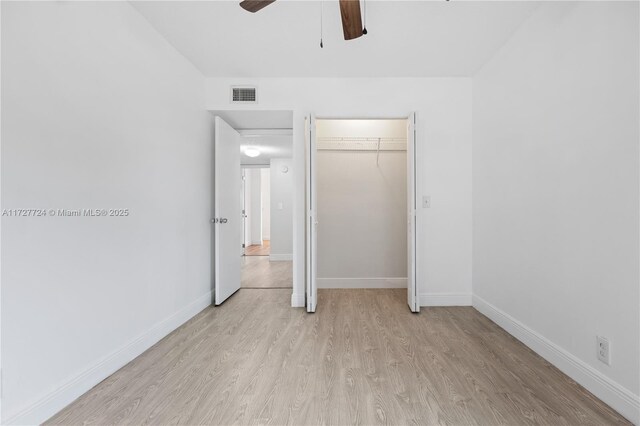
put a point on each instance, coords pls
(604, 350)
(426, 202)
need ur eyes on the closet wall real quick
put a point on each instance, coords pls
(362, 207)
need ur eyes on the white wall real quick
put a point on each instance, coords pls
(362, 207)
(265, 185)
(443, 107)
(281, 208)
(555, 191)
(98, 111)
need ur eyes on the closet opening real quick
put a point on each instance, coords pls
(364, 205)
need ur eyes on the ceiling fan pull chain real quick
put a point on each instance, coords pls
(364, 29)
(321, 13)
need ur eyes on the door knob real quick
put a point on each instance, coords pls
(223, 220)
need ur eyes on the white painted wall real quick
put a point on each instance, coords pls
(362, 208)
(556, 193)
(443, 107)
(265, 185)
(281, 208)
(98, 111)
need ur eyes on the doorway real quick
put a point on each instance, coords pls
(253, 230)
(266, 265)
(361, 205)
(256, 210)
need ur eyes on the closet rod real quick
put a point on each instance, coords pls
(361, 144)
(358, 139)
(359, 150)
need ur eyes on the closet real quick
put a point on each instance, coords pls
(361, 178)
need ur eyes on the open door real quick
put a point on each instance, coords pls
(312, 220)
(228, 210)
(412, 284)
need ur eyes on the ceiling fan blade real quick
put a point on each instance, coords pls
(255, 5)
(351, 19)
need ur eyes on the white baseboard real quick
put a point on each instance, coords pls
(445, 299)
(609, 391)
(362, 282)
(298, 300)
(73, 387)
(280, 257)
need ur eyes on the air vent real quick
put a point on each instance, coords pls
(246, 95)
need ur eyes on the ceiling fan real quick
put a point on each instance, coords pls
(349, 10)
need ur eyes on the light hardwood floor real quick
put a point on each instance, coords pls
(362, 358)
(259, 272)
(258, 250)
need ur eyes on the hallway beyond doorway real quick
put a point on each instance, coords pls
(260, 272)
(263, 249)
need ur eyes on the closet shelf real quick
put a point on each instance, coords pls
(361, 144)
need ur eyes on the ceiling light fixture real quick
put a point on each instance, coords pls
(251, 152)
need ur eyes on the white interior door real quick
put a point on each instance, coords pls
(412, 283)
(228, 210)
(312, 220)
(243, 182)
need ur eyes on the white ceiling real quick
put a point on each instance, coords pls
(406, 38)
(268, 131)
(270, 146)
(251, 119)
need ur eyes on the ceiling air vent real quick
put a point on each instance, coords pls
(244, 95)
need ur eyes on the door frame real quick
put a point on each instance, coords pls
(244, 209)
(413, 215)
(297, 254)
(311, 229)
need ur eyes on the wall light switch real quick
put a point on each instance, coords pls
(280, 206)
(426, 201)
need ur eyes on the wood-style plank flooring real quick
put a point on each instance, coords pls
(362, 358)
(258, 250)
(260, 272)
